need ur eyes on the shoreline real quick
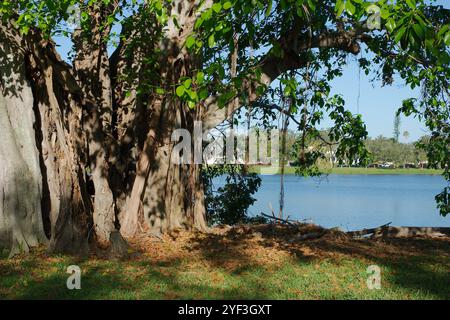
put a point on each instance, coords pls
(352, 171)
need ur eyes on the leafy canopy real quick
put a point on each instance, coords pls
(404, 41)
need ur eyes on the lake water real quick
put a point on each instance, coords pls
(355, 201)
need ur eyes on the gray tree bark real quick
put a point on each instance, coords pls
(21, 224)
(42, 174)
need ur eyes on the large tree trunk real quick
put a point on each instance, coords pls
(167, 195)
(42, 147)
(93, 75)
(20, 176)
(173, 196)
(65, 201)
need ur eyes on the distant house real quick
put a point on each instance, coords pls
(423, 164)
(387, 165)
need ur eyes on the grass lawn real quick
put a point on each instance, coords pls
(349, 171)
(239, 265)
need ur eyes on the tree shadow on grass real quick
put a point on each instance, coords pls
(224, 267)
(103, 279)
(416, 264)
(411, 263)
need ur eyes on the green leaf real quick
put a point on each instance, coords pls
(287, 91)
(385, 13)
(419, 31)
(447, 39)
(193, 95)
(203, 94)
(405, 40)
(191, 104)
(180, 91)
(200, 78)
(187, 83)
(25, 29)
(269, 8)
(158, 5)
(390, 25)
(175, 22)
(227, 5)
(349, 6)
(190, 41)
(411, 3)
(340, 6)
(217, 7)
(443, 30)
(399, 34)
(199, 44)
(211, 41)
(198, 23)
(312, 5)
(160, 91)
(84, 16)
(412, 41)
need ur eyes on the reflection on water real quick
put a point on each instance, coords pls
(355, 201)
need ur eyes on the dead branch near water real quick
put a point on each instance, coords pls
(286, 221)
(364, 232)
(306, 231)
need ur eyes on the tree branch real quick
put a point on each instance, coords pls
(272, 66)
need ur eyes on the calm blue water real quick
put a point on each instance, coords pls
(355, 201)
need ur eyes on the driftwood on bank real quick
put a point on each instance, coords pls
(401, 232)
(364, 232)
(383, 231)
(387, 231)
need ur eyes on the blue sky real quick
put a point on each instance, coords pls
(377, 104)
